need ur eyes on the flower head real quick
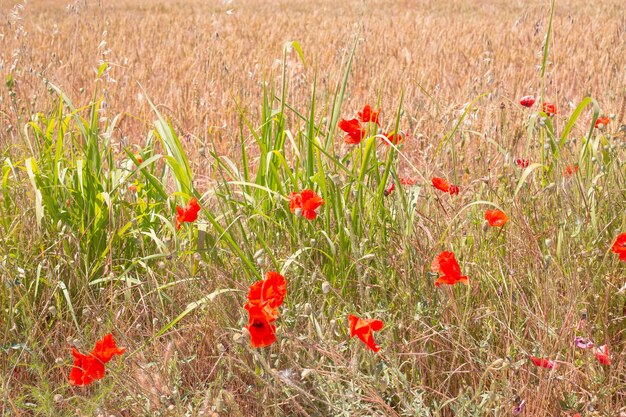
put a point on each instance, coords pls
(90, 367)
(543, 362)
(443, 185)
(307, 202)
(496, 218)
(581, 343)
(601, 122)
(549, 109)
(188, 214)
(522, 163)
(390, 189)
(407, 181)
(394, 138)
(619, 247)
(264, 298)
(363, 330)
(268, 294)
(445, 263)
(602, 355)
(106, 348)
(527, 101)
(367, 115)
(570, 170)
(262, 331)
(354, 130)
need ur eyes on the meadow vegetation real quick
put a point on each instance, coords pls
(116, 115)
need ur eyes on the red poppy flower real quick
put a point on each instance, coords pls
(445, 263)
(602, 121)
(619, 247)
(106, 348)
(543, 363)
(441, 184)
(354, 130)
(86, 369)
(407, 181)
(570, 170)
(602, 355)
(522, 163)
(527, 101)
(549, 109)
(367, 115)
(305, 203)
(264, 298)
(496, 218)
(394, 138)
(268, 295)
(90, 367)
(363, 330)
(188, 214)
(390, 189)
(262, 331)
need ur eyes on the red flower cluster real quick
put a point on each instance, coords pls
(496, 218)
(527, 101)
(305, 204)
(443, 185)
(354, 131)
(619, 247)
(363, 329)
(90, 367)
(188, 214)
(445, 263)
(264, 298)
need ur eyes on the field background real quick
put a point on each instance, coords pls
(204, 64)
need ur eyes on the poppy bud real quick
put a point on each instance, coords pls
(57, 398)
(485, 225)
(298, 212)
(548, 243)
(326, 287)
(308, 309)
(244, 335)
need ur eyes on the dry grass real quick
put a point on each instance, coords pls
(203, 62)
